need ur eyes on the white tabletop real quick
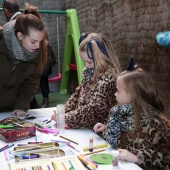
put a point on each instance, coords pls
(81, 136)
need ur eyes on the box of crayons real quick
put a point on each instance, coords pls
(13, 129)
(58, 163)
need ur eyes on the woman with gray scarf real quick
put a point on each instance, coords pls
(23, 56)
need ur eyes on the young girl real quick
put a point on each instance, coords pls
(23, 56)
(137, 124)
(93, 98)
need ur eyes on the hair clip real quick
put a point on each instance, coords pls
(83, 36)
(89, 48)
(100, 46)
(131, 65)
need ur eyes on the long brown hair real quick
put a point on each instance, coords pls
(32, 19)
(144, 95)
(101, 60)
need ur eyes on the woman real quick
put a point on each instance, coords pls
(23, 51)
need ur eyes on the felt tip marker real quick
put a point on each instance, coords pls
(50, 131)
(30, 156)
(35, 142)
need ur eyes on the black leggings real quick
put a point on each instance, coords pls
(44, 86)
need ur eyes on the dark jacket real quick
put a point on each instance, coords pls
(18, 84)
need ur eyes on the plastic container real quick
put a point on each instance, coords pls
(115, 161)
(61, 118)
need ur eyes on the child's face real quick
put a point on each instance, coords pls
(122, 96)
(33, 41)
(88, 62)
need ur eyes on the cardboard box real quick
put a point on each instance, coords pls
(24, 130)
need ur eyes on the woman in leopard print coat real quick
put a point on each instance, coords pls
(94, 97)
(136, 124)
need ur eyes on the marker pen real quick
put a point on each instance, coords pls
(35, 142)
(50, 131)
(91, 143)
(89, 160)
(30, 156)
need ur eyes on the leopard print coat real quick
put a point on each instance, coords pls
(153, 145)
(91, 104)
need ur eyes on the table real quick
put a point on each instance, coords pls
(81, 136)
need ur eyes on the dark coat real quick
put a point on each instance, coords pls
(17, 85)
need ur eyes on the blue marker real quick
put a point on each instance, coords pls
(30, 157)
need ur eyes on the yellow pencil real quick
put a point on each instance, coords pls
(55, 166)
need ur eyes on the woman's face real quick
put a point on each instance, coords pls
(88, 62)
(32, 41)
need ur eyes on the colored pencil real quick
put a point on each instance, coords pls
(69, 140)
(7, 147)
(59, 141)
(4, 147)
(54, 164)
(48, 167)
(72, 167)
(89, 153)
(64, 166)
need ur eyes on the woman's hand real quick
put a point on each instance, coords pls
(99, 127)
(18, 113)
(128, 156)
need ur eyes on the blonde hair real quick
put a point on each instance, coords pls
(144, 95)
(101, 60)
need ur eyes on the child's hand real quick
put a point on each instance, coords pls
(128, 156)
(54, 116)
(99, 127)
(18, 113)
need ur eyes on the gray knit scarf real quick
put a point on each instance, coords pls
(15, 49)
(122, 120)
